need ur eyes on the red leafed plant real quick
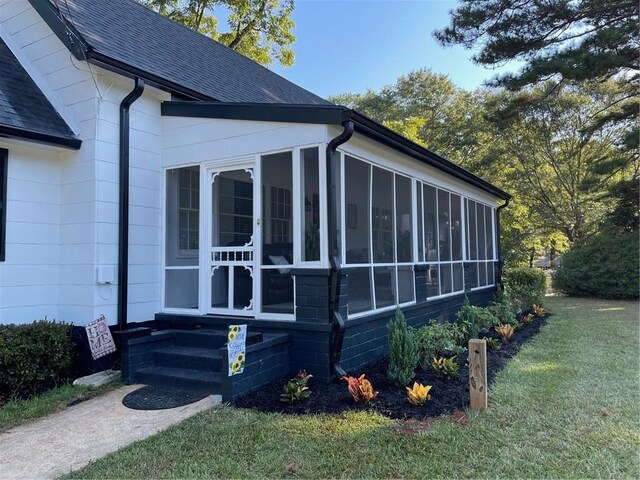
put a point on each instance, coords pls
(361, 389)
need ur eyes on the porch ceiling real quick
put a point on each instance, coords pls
(327, 115)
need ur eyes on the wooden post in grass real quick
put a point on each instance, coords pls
(478, 374)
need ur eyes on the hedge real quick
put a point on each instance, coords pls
(604, 266)
(525, 287)
(34, 357)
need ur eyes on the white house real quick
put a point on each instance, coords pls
(150, 174)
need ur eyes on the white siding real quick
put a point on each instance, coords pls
(29, 276)
(191, 140)
(85, 189)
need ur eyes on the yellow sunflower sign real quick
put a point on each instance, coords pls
(236, 347)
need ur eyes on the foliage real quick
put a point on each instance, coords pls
(528, 318)
(259, 29)
(296, 389)
(418, 394)
(625, 214)
(360, 389)
(403, 350)
(566, 41)
(438, 339)
(562, 171)
(34, 357)
(538, 310)
(525, 287)
(603, 266)
(429, 109)
(447, 367)
(481, 318)
(506, 331)
(582, 42)
(502, 310)
(492, 343)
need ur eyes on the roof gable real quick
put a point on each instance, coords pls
(128, 34)
(25, 112)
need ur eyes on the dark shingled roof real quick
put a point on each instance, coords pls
(129, 33)
(25, 112)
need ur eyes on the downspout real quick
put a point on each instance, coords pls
(123, 221)
(336, 320)
(498, 249)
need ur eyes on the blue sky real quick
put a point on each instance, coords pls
(355, 45)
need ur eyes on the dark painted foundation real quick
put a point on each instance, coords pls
(290, 346)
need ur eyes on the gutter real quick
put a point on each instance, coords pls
(336, 320)
(498, 246)
(123, 220)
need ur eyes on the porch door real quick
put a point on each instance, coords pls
(231, 239)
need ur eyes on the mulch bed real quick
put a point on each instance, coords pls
(448, 396)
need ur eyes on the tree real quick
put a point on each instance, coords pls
(429, 109)
(560, 42)
(259, 29)
(574, 40)
(561, 170)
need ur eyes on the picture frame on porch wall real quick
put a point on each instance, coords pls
(352, 215)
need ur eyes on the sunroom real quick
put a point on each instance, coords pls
(258, 196)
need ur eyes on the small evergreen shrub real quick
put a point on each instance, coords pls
(403, 351)
(438, 339)
(525, 287)
(604, 266)
(34, 357)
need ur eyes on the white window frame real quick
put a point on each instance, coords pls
(371, 265)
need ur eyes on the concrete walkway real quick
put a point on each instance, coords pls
(70, 439)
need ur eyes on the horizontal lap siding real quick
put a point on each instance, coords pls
(29, 276)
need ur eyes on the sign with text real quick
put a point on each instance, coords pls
(100, 339)
(236, 347)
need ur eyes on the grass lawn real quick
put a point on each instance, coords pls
(16, 412)
(565, 406)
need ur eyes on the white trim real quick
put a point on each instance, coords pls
(389, 308)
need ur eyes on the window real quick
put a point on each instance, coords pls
(442, 220)
(182, 237)
(277, 294)
(188, 209)
(480, 244)
(310, 193)
(4, 154)
(280, 214)
(377, 219)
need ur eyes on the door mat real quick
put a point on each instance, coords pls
(160, 398)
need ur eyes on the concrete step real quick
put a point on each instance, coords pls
(193, 358)
(184, 378)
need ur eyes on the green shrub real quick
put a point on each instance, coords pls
(603, 266)
(502, 310)
(403, 351)
(34, 357)
(525, 287)
(472, 319)
(438, 339)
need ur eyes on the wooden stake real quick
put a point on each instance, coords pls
(478, 374)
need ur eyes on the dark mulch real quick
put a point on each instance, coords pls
(447, 395)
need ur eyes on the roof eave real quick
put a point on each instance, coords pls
(17, 133)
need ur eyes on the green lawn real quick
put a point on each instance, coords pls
(16, 412)
(566, 406)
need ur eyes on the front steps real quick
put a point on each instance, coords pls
(196, 360)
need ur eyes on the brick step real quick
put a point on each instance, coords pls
(187, 379)
(204, 359)
(208, 338)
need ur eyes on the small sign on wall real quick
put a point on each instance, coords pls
(236, 347)
(100, 339)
